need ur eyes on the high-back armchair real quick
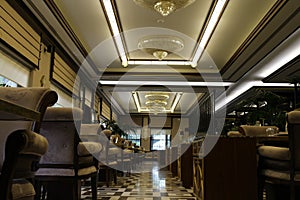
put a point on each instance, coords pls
(20, 144)
(281, 165)
(68, 160)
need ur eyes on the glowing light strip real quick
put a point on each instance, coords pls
(115, 29)
(178, 96)
(136, 100)
(167, 83)
(148, 62)
(208, 31)
(283, 54)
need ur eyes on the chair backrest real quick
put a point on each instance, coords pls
(293, 120)
(90, 129)
(61, 127)
(34, 98)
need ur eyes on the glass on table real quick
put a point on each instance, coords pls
(271, 131)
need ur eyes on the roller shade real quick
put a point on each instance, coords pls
(17, 33)
(105, 112)
(63, 74)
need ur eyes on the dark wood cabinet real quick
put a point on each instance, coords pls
(228, 171)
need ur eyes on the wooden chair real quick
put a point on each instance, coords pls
(68, 160)
(21, 147)
(281, 165)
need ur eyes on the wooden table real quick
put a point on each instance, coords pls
(276, 140)
(12, 112)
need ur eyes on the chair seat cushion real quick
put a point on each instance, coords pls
(275, 164)
(273, 152)
(22, 189)
(282, 175)
(114, 150)
(128, 151)
(65, 172)
(86, 148)
(110, 163)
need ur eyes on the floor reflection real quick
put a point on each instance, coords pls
(154, 185)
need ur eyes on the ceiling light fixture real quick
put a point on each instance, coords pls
(208, 30)
(115, 30)
(160, 46)
(164, 7)
(156, 102)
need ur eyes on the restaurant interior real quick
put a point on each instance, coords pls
(149, 99)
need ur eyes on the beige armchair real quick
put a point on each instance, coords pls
(21, 147)
(281, 165)
(68, 160)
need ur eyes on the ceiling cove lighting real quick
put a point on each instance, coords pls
(176, 101)
(284, 53)
(155, 62)
(116, 32)
(208, 30)
(167, 83)
(136, 100)
(161, 54)
(164, 7)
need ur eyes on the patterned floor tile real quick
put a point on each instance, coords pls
(155, 185)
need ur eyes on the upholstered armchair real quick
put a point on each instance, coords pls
(21, 147)
(108, 159)
(68, 160)
(281, 165)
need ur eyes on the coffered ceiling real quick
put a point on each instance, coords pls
(246, 33)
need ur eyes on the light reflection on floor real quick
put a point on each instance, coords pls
(155, 185)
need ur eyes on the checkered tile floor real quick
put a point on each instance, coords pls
(155, 185)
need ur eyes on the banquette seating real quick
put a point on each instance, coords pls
(257, 130)
(68, 160)
(21, 146)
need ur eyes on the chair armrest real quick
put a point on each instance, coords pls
(23, 150)
(26, 142)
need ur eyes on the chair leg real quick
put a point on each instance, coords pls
(94, 187)
(115, 176)
(260, 188)
(292, 191)
(37, 188)
(76, 189)
(107, 176)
